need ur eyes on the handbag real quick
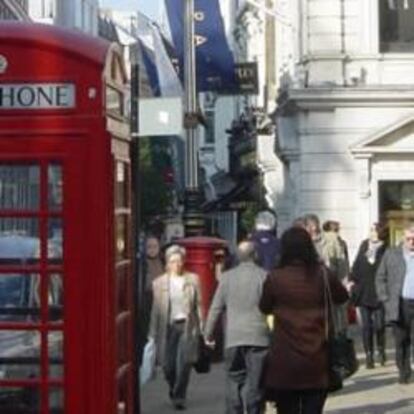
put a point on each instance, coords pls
(203, 363)
(147, 370)
(342, 360)
(352, 314)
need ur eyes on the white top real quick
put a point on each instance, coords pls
(177, 298)
(408, 287)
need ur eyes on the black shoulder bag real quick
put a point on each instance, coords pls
(342, 360)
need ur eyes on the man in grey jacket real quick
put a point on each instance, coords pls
(246, 331)
(395, 288)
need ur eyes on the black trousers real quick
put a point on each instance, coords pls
(244, 366)
(402, 334)
(300, 401)
(373, 324)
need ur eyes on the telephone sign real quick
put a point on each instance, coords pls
(37, 96)
(67, 304)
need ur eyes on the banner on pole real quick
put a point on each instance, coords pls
(215, 66)
(161, 74)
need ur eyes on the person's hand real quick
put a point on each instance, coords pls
(349, 284)
(210, 343)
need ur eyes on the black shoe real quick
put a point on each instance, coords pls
(179, 405)
(369, 362)
(382, 358)
(404, 378)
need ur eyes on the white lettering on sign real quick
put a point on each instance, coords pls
(37, 96)
(200, 40)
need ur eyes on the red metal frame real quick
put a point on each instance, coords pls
(43, 269)
(82, 141)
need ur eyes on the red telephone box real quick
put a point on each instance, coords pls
(66, 284)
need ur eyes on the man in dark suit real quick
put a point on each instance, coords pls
(395, 288)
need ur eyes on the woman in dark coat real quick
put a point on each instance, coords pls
(364, 294)
(296, 374)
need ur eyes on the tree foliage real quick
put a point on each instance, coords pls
(156, 196)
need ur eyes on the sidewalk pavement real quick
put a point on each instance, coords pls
(373, 391)
(205, 394)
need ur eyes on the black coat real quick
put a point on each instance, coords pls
(363, 274)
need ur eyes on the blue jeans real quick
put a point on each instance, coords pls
(244, 366)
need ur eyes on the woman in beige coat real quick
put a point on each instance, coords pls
(176, 323)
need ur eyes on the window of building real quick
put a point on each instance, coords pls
(92, 11)
(210, 136)
(396, 26)
(44, 9)
(78, 13)
(85, 16)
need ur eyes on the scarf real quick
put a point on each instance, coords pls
(372, 250)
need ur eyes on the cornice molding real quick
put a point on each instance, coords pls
(332, 97)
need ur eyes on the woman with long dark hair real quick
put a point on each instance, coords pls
(296, 374)
(364, 294)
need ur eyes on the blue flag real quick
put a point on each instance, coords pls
(215, 66)
(161, 74)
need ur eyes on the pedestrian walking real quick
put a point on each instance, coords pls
(176, 323)
(153, 262)
(296, 370)
(364, 294)
(265, 240)
(299, 222)
(246, 331)
(395, 288)
(332, 254)
(153, 267)
(333, 226)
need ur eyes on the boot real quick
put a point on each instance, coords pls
(369, 361)
(382, 357)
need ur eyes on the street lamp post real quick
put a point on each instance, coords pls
(193, 218)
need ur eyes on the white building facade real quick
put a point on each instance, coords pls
(75, 14)
(345, 116)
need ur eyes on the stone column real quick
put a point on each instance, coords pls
(363, 217)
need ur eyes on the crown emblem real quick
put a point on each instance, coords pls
(3, 64)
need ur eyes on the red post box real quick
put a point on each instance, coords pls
(66, 296)
(202, 258)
